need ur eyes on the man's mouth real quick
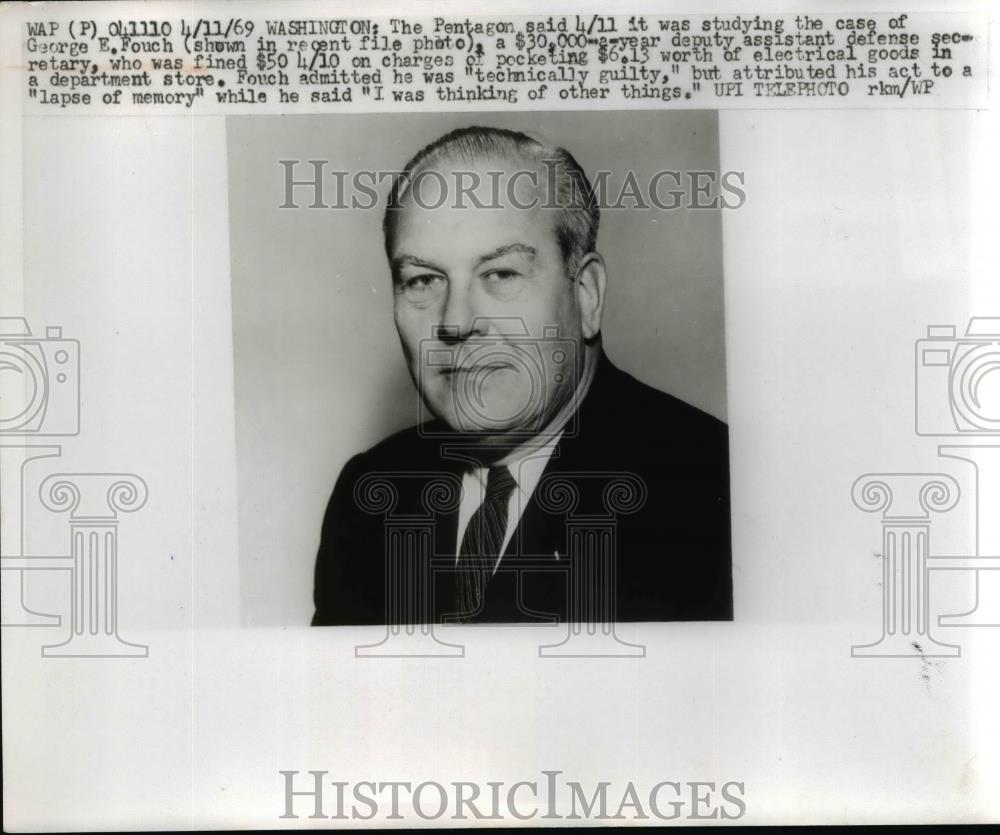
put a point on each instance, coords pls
(478, 368)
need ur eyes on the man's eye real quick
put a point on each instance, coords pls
(501, 275)
(420, 283)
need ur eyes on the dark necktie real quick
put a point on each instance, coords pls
(482, 541)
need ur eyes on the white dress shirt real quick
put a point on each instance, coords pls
(526, 471)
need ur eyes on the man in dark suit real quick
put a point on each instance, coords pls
(546, 484)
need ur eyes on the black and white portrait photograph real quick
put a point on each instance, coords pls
(515, 327)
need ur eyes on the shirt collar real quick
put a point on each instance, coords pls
(526, 469)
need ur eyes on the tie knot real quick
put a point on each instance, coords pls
(499, 483)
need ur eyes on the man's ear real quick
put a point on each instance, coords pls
(591, 282)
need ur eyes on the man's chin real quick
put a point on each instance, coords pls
(488, 429)
(492, 432)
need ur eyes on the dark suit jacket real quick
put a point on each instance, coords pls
(631, 513)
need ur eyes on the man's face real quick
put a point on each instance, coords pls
(487, 316)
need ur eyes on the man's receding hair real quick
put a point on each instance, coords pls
(578, 215)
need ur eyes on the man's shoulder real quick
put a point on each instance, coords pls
(407, 449)
(409, 452)
(655, 406)
(638, 411)
(404, 442)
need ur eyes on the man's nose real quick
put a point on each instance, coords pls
(458, 316)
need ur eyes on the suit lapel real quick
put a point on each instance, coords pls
(538, 535)
(540, 532)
